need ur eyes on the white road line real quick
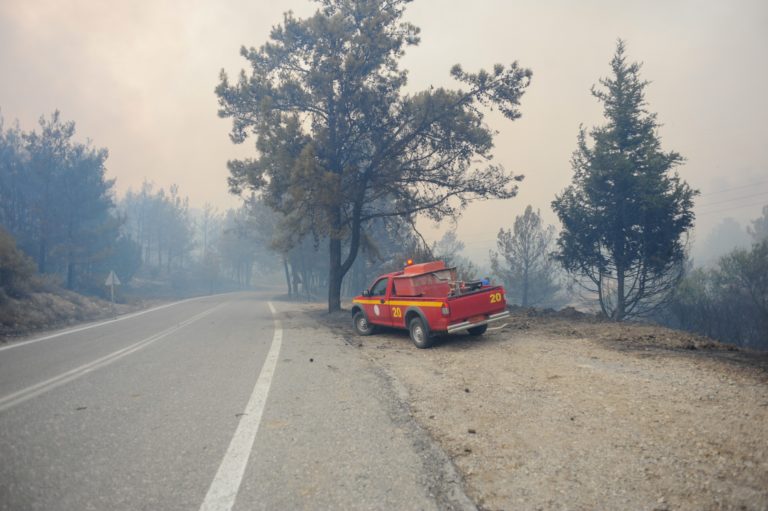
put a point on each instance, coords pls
(57, 381)
(223, 490)
(101, 323)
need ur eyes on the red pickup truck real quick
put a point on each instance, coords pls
(427, 299)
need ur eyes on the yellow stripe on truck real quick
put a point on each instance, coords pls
(417, 304)
(402, 303)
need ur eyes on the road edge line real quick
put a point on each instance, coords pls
(226, 483)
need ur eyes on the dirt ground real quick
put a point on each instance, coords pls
(555, 412)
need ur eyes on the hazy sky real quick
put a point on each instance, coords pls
(138, 78)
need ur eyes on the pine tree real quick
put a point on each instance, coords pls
(338, 136)
(625, 215)
(56, 200)
(524, 262)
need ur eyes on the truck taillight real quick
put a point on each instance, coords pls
(445, 310)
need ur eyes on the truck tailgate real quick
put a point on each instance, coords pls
(476, 305)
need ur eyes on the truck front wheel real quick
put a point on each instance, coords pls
(419, 333)
(361, 325)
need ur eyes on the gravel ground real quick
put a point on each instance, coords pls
(566, 413)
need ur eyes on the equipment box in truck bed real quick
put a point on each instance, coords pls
(427, 299)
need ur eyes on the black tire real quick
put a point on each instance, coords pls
(419, 333)
(478, 330)
(361, 325)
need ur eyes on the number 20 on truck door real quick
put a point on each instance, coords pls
(397, 312)
(495, 297)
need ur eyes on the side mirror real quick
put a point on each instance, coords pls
(366, 293)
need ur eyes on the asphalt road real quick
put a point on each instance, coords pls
(217, 403)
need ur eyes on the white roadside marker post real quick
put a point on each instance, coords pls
(112, 281)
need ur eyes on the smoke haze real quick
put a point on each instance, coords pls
(138, 78)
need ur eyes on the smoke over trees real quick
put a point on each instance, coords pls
(56, 200)
(345, 163)
(59, 218)
(759, 228)
(160, 222)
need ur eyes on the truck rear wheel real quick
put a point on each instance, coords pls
(361, 325)
(478, 330)
(419, 333)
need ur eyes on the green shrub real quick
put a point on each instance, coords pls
(729, 302)
(17, 271)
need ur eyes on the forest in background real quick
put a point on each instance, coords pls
(317, 215)
(62, 222)
(63, 226)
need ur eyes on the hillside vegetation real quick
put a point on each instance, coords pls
(30, 302)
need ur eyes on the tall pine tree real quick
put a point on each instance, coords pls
(340, 142)
(626, 213)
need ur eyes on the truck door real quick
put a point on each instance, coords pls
(378, 312)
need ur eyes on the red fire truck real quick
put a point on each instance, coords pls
(427, 299)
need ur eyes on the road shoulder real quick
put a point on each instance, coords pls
(338, 433)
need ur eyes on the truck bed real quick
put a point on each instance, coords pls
(470, 307)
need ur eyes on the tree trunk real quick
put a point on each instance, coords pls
(335, 276)
(525, 288)
(248, 273)
(296, 279)
(305, 279)
(618, 314)
(358, 277)
(337, 268)
(287, 276)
